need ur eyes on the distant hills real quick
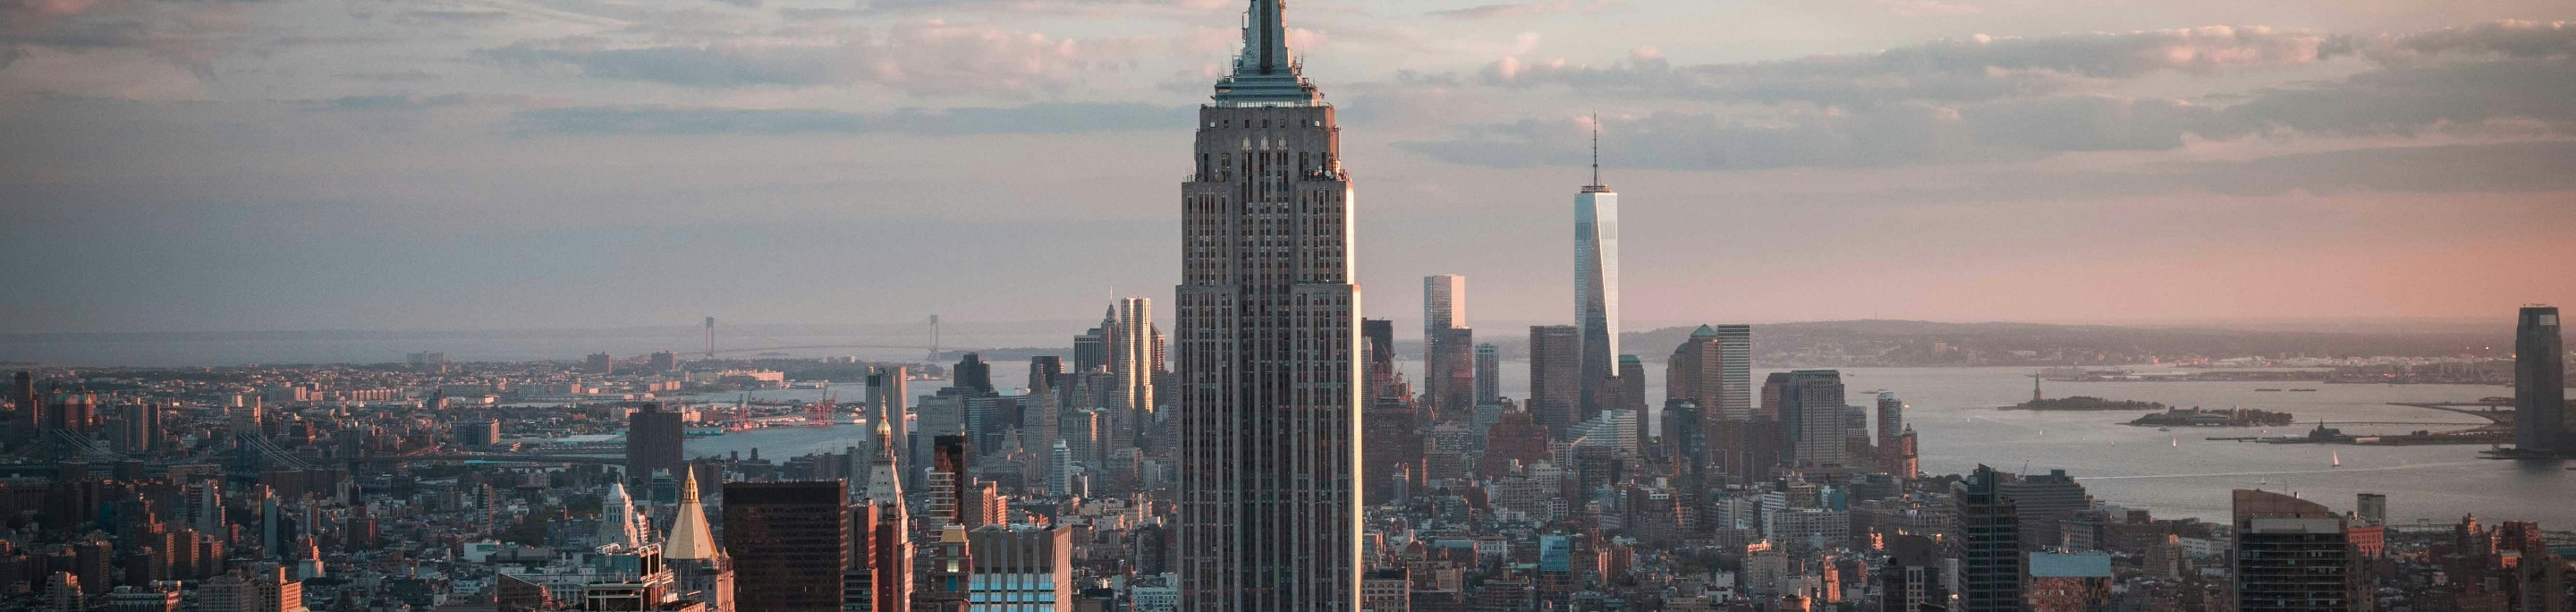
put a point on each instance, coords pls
(1883, 342)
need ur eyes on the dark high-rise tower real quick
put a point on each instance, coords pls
(1489, 374)
(1380, 383)
(2292, 555)
(24, 395)
(1448, 351)
(789, 541)
(1267, 359)
(1043, 372)
(1812, 428)
(1891, 418)
(972, 375)
(2540, 384)
(1912, 576)
(1990, 555)
(653, 442)
(1556, 377)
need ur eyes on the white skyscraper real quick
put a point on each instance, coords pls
(1135, 350)
(1596, 286)
(617, 519)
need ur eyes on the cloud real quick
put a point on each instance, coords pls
(2512, 39)
(1045, 118)
(394, 102)
(2515, 97)
(723, 65)
(1523, 9)
(37, 9)
(2471, 168)
(2411, 99)
(117, 48)
(1038, 6)
(1974, 69)
(456, 18)
(932, 57)
(1671, 140)
(2001, 99)
(1929, 8)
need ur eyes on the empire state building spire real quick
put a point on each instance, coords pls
(1265, 40)
(1267, 72)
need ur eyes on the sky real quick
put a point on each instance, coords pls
(239, 165)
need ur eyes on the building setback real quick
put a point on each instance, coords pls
(1266, 354)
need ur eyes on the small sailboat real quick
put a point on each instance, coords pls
(2338, 459)
(2177, 442)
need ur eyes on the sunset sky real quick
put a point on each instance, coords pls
(206, 165)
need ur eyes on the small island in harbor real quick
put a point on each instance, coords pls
(2233, 417)
(2083, 403)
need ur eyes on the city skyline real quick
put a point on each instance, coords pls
(2288, 160)
(534, 162)
(1267, 358)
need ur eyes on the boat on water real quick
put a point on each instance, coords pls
(2338, 460)
(2164, 429)
(2177, 442)
(2268, 390)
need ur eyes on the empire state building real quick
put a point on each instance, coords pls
(1265, 355)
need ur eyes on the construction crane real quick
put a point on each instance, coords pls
(820, 413)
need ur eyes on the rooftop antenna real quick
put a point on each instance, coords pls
(1596, 149)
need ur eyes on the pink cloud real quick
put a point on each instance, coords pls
(1929, 8)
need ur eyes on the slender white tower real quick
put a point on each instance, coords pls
(1596, 282)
